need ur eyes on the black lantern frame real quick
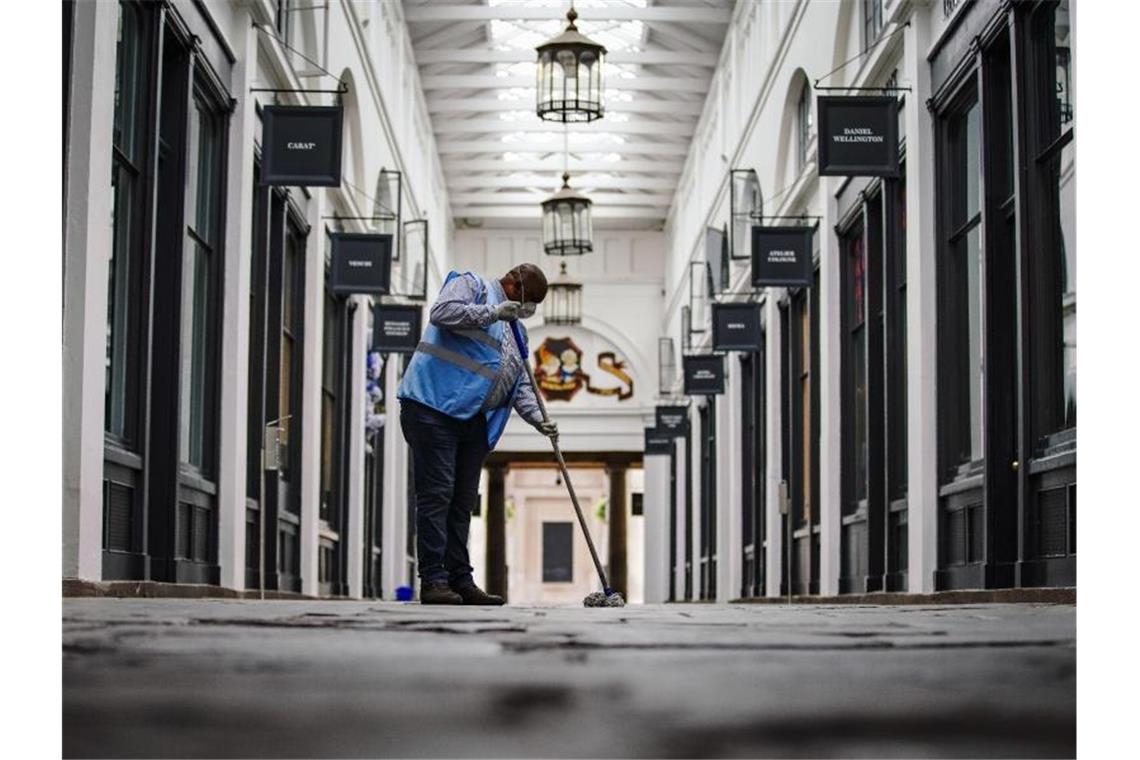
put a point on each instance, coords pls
(570, 82)
(567, 222)
(563, 304)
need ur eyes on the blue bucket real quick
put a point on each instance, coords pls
(404, 593)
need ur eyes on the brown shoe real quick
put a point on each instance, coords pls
(438, 592)
(474, 595)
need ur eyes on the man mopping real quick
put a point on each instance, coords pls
(455, 399)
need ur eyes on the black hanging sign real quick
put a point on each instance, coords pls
(395, 328)
(781, 256)
(736, 327)
(673, 420)
(704, 375)
(361, 262)
(301, 145)
(858, 135)
(658, 441)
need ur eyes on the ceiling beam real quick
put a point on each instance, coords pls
(533, 125)
(437, 104)
(464, 166)
(485, 82)
(617, 182)
(649, 15)
(600, 199)
(533, 211)
(520, 55)
(679, 150)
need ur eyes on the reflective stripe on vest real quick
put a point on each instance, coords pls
(458, 359)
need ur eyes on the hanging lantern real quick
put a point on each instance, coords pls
(567, 229)
(563, 305)
(570, 76)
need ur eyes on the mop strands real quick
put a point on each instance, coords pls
(599, 599)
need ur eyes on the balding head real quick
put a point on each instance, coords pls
(532, 281)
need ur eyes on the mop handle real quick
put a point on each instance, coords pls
(561, 462)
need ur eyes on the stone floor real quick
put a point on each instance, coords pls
(215, 678)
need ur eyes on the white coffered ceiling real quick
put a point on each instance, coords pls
(476, 61)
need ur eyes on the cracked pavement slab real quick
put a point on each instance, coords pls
(229, 678)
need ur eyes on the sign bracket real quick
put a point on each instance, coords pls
(861, 89)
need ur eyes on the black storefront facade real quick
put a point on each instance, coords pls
(166, 315)
(164, 312)
(1006, 298)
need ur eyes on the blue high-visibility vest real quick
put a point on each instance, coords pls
(452, 370)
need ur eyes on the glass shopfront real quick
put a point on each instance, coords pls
(799, 324)
(1007, 302)
(164, 306)
(753, 470)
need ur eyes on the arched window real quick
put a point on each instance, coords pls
(804, 126)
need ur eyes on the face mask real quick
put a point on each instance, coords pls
(526, 310)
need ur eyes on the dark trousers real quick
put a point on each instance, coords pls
(447, 457)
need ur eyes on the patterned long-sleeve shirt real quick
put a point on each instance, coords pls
(456, 308)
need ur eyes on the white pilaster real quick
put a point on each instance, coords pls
(235, 326)
(774, 449)
(729, 544)
(311, 366)
(87, 251)
(655, 500)
(682, 525)
(395, 523)
(827, 375)
(922, 367)
(354, 541)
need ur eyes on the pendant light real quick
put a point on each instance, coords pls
(570, 76)
(563, 305)
(567, 225)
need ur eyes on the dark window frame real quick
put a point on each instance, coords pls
(954, 225)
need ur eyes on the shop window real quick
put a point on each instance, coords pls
(872, 22)
(128, 194)
(292, 316)
(329, 406)
(1051, 190)
(200, 312)
(896, 340)
(855, 385)
(961, 283)
(804, 126)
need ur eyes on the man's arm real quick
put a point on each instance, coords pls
(456, 308)
(525, 402)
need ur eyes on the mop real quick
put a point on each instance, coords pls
(607, 597)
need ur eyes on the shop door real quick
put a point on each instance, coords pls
(276, 350)
(708, 542)
(800, 404)
(753, 473)
(673, 569)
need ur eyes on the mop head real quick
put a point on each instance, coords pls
(599, 599)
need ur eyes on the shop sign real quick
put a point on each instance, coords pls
(736, 327)
(658, 441)
(704, 375)
(395, 328)
(673, 420)
(301, 145)
(781, 256)
(361, 262)
(858, 136)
